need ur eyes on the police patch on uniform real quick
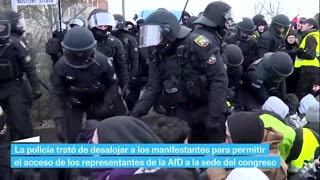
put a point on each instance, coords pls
(28, 59)
(201, 41)
(212, 59)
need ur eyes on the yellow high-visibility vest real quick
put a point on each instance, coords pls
(307, 62)
(309, 146)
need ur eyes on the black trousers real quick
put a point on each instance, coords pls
(17, 106)
(308, 77)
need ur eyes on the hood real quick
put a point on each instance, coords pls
(306, 102)
(274, 138)
(125, 129)
(313, 117)
(122, 129)
(276, 105)
(247, 173)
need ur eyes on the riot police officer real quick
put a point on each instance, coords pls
(189, 71)
(101, 23)
(266, 77)
(53, 46)
(132, 55)
(214, 25)
(260, 24)
(15, 61)
(17, 31)
(75, 22)
(235, 59)
(83, 84)
(243, 39)
(273, 39)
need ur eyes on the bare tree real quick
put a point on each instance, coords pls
(46, 16)
(269, 8)
(40, 20)
(5, 4)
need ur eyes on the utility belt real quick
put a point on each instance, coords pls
(178, 91)
(95, 91)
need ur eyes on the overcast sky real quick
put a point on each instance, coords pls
(241, 8)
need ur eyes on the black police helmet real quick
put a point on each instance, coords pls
(214, 14)
(280, 25)
(120, 21)
(279, 64)
(234, 55)
(5, 26)
(246, 25)
(78, 39)
(97, 10)
(169, 21)
(16, 21)
(257, 18)
(190, 21)
(281, 19)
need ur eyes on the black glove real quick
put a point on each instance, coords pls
(300, 50)
(37, 95)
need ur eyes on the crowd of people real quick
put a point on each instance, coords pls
(206, 79)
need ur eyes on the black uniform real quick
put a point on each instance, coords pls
(242, 39)
(53, 46)
(75, 91)
(192, 76)
(132, 55)
(82, 81)
(111, 47)
(18, 62)
(273, 40)
(266, 77)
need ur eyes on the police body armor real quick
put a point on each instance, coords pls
(181, 83)
(9, 68)
(271, 87)
(84, 92)
(106, 47)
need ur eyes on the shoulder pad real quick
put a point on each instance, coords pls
(201, 41)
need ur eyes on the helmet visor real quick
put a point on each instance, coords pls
(101, 19)
(5, 29)
(79, 59)
(77, 22)
(229, 16)
(57, 27)
(150, 35)
(282, 31)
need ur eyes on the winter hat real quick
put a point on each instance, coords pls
(247, 173)
(125, 129)
(306, 102)
(241, 123)
(276, 105)
(312, 114)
